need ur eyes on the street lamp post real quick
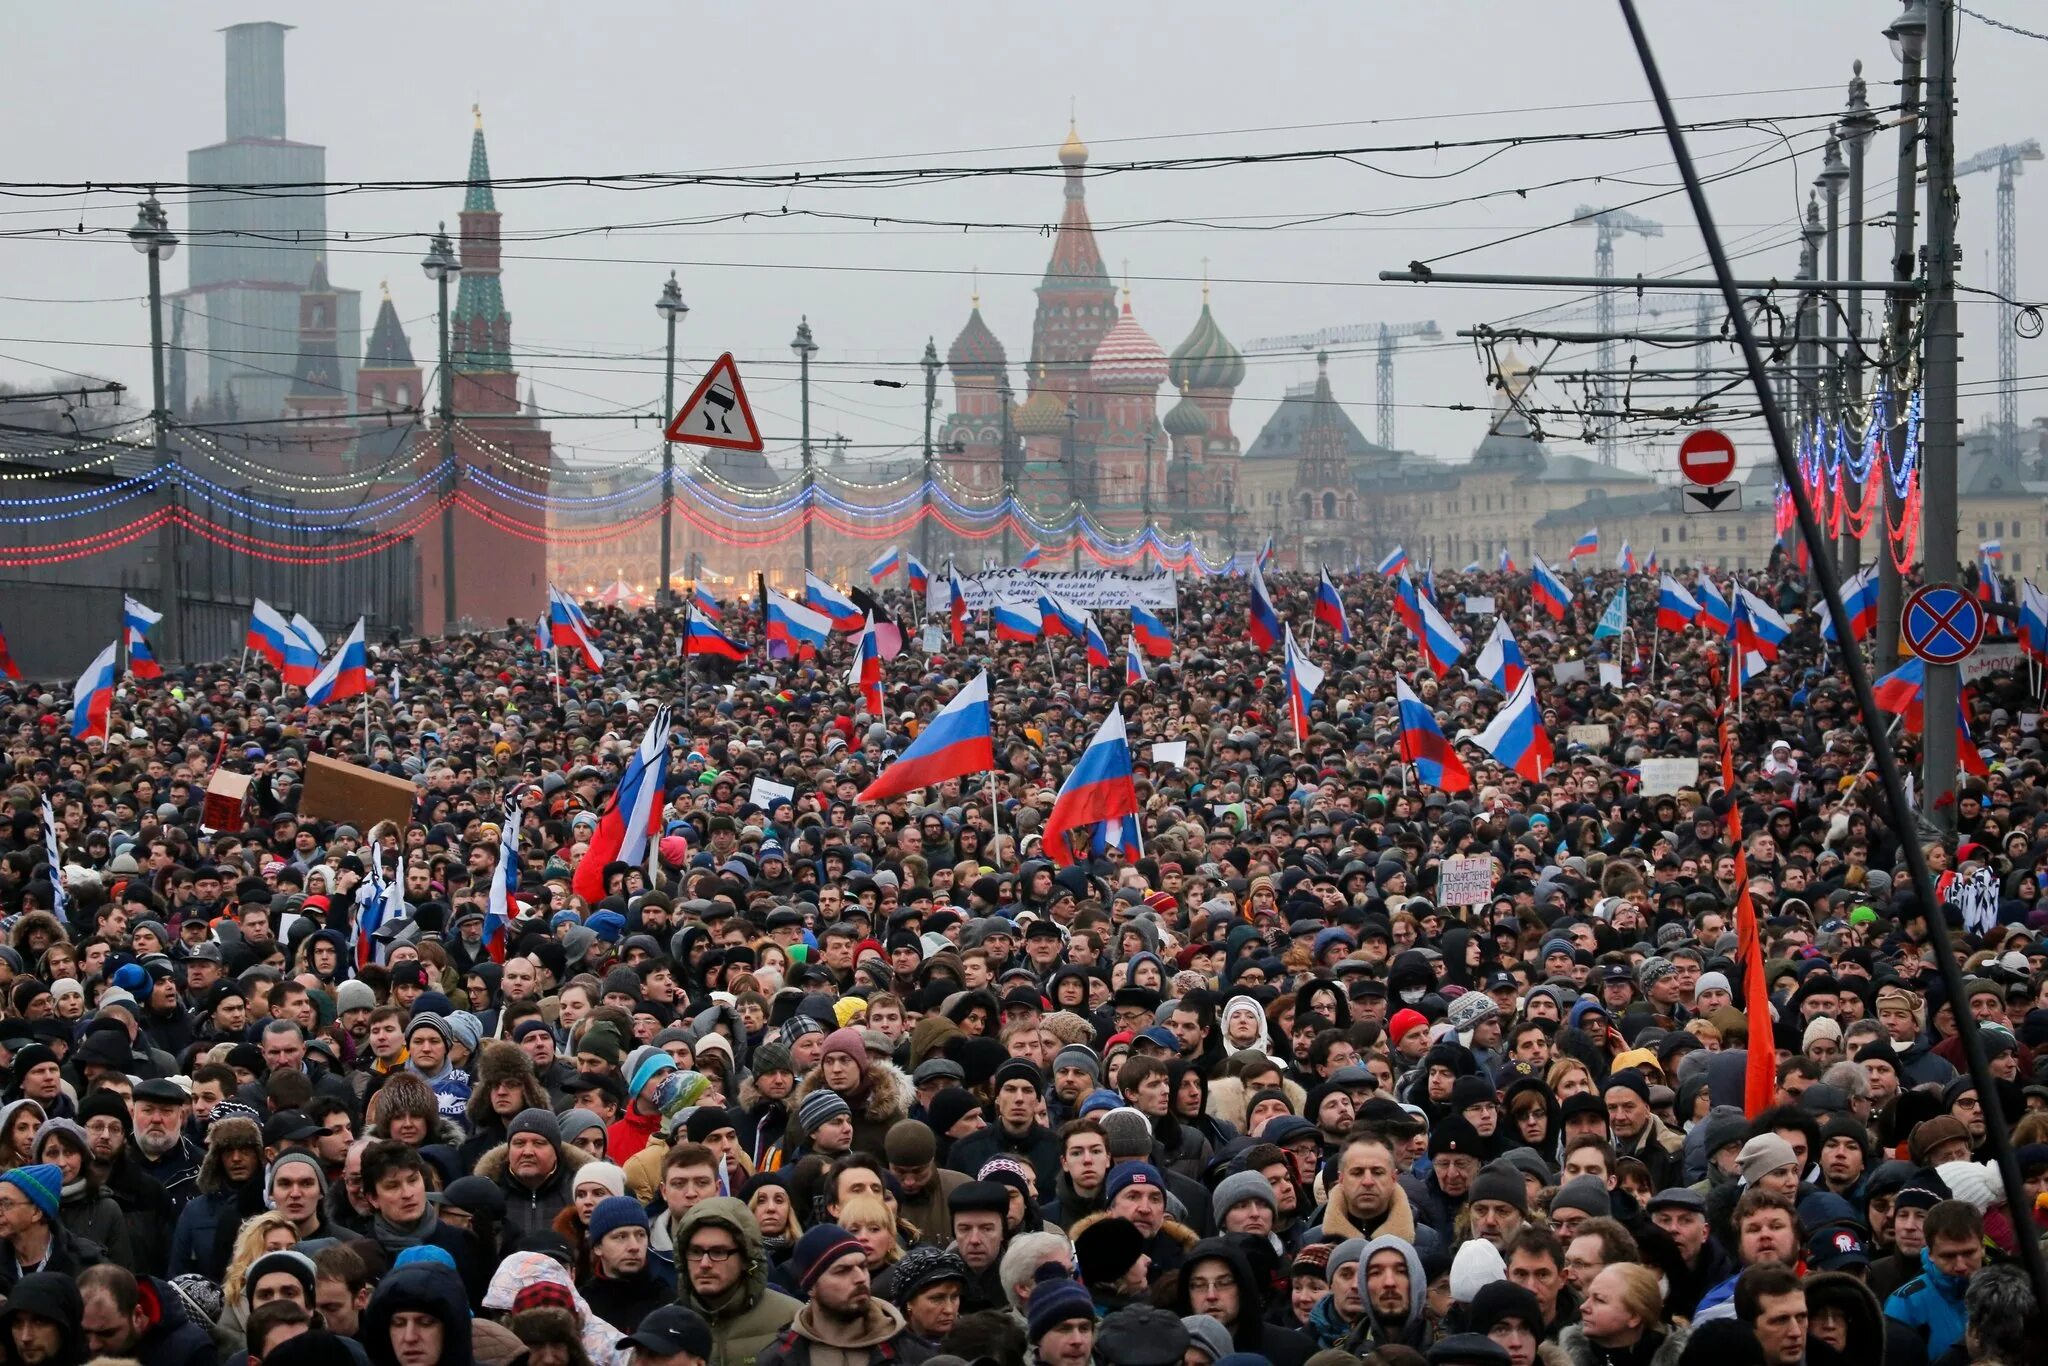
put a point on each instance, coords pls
(1006, 471)
(441, 266)
(1908, 35)
(1939, 426)
(152, 236)
(1072, 457)
(1833, 172)
(805, 348)
(672, 309)
(1857, 128)
(931, 468)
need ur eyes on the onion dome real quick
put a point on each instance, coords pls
(1207, 360)
(1073, 152)
(1128, 355)
(976, 351)
(1043, 414)
(1186, 418)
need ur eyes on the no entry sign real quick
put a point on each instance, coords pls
(1706, 457)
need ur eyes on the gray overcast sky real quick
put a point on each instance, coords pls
(122, 91)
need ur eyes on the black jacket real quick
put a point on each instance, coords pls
(1251, 1333)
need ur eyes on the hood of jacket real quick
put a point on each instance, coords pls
(1418, 1282)
(1251, 1301)
(213, 1176)
(424, 1289)
(1409, 971)
(707, 1022)
(888, 1093)
(732, 1216)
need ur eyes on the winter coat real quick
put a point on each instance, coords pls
(1931, 1303)
(1037, 1145)
(421, 1288)
(930, 1211)
(1230, 1102)
(888, 1099)
(1167, 1248)
(92, 1216)
(1413, 1331)
(530, 1210)
(67, 1257)
(1251, 1333)
(1580, 1352)
(172, 1338)
(746, 1322)
(624, 1302)
(883, 1334)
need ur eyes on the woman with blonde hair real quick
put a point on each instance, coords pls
(260, 1234)
(767, 1199)
(1569, 1077)
(1619, 1321)
(874, 1228)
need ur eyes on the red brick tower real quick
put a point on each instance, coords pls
(1127, 370)
(316, 398)
(1076, 309)
(980, 369)
(1325, 498)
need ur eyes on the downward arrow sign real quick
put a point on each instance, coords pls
(1709, 498)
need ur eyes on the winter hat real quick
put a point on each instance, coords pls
(1974, 1183)
(576, 1123)
(427, 1019)
(1208, 1334)
(1497, 1181)
(1056, 1299)
(1712, 981)
(1107, 1249)
(948, 1107)
(1127, 1133)
(1503, 1299)
(68, 1129)
(1235, 1190)
(41, 1182)
(607, 1174)
(925, 1266)
(1469, 1011)
(1763, 1155)
(203, 1300)
(847, 1041)
(354, 995)
(1078, 1055)
(1403, 1021)
(817, 1250)
(822, 1106)
(651, 1066)
(615, 1212)
(534, 1120)
(1346, 1253)
(297, 1156)
(1127, 1174)
(910, 1144)
(1587, 1194)
(1477, 1265)
(1468, 1349)
(770, 1058)
(295, 1264)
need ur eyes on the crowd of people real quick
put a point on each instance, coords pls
(833, 1082)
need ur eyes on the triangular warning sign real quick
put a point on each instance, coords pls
(717, 412)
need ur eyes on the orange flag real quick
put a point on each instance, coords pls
(1760, 1080)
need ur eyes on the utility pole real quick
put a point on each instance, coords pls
(1808, 361)
(931, 469)
(1858, 127)
(1146, 526)
(152, 236)
(1833, 172)
(1072, 456)
(672, 309)
(1938, 427)
(805, 348)
(441, 266)
(1006, 471)
(1908, 34)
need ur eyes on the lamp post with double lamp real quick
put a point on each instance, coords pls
(805, 348)
(1908, 37)
(152, 236)
(1856, 130)
(673, 310)
(440, 266)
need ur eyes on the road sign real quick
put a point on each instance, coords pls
(1706, 457)
(1696, 501)
(717, 412)
(1941, 624)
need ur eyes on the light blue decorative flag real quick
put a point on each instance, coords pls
(1614, 618)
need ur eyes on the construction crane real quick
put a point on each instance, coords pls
(1388, 335)
(2008, 161)
(1609, 224)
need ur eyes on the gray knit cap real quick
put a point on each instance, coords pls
(1208, 1334)
(1232, 1191)
(1078, 1055)
(818, 1108)
(1348, 1251)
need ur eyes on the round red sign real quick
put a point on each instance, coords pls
(1706, 457)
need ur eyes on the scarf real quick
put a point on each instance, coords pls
(393, 1238)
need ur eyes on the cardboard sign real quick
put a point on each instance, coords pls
(1479, 606)
(1610, 674)
(1594, 736)
(227, 801)
(1569, 671)
(1094, 589)
(933, 638)
(340, 792)
(1668, 775)
(1465, 880)
(1997, 657)
(1173, 752)
(764, 793)
(2030, 721)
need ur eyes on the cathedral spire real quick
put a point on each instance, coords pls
(481, 330)
(479, 199)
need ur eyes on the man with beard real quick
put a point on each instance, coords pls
(843, 1323)
(39, 1324)
(159, 1146)
(151, 1216)
(722, 1274)
(1393, 1288)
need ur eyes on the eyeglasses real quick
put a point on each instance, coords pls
(715, 1255)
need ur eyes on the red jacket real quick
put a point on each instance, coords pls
(628, 1134)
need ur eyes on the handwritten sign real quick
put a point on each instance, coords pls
(1465, 880)
(1593, 736)
(1989, 659)
(1669, 775)
(766, 793)
(1478, 606)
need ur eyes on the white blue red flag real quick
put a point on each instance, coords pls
(1516, 737)
(93, 696)
(1423, 744)
(345, 675)
(1303, 677)
(1501, 660)
(956, 742)
(632, 814)
(1100, 788)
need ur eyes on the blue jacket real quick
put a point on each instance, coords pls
(1931, 1302)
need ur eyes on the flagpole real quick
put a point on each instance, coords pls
(994, 818)
(555, 667)
(1656, 640)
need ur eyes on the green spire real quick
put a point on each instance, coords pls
(479, 199)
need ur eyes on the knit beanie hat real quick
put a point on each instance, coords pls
(1975, 1183)
(1763, 1155)
(607, 1174)
(1056, 1299)
(300, 1158)
(1209, 1335)
(819, 1107)
(601, 1041)
(847, 1041)
(1232, 1191)
(534, 1120)
(770, 1058)
(615, 1212)
(296, 1264)
(41, 1182)
(1503, 1299)
(948, 1107)
(1477, 1265)
(1498, 1181)
(427, 1019)
(650, 1067)
(815, 1252)
(1345, 1253)
(1127, 1133)
(1587, 1194)
(910, 1144)
(1078, 1055)
(354, 995)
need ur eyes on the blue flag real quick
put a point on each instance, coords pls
(1614, 618)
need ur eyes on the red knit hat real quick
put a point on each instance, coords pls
(1403, 1021)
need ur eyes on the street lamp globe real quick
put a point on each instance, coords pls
(1908, 32)
(439, 263)
(152, 235)
(670, 305)
(802, 345)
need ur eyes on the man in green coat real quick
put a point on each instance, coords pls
(722, 1273)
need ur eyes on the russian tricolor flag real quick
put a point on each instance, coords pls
(866, 673)
(346, 675)
(1859, 600)
(1588, 544)
(7, 664)
(1715, 614)
(136, 620)
(956, 606)
(1676, 608)
(920, 577)
(1423, 744)
(1150, 632)
(845, 613)
(1507, 561)
(955, 743)
(1548, 589)
(1019, 621)
(1099, 788)
(1770, 628)
(885, 564)
(1265, 618)
(1330, 609)
(1134, 663)
(794, 628)
(269, 632)
(1033, 558)
(2033, 622)
(1516, 738)
(301, 659)
(571, 630)
(1501, 661)
(1408, 604)
(1304, 676)
(701, 599)
(1394, 562)
(632, 814)
(1901, 693)
(1058, 619)
(1118, 839)
(93, 695)
(701, 636)
(1441, 644)
(1626, 560)
(502, 907)
(1098, 648)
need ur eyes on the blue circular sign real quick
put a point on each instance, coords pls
(1941, 624)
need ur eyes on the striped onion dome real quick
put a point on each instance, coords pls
(1186, 418)
(976, 351)
(1207, 360)
(1128, 355)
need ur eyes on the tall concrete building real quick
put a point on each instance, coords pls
(234, 330)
